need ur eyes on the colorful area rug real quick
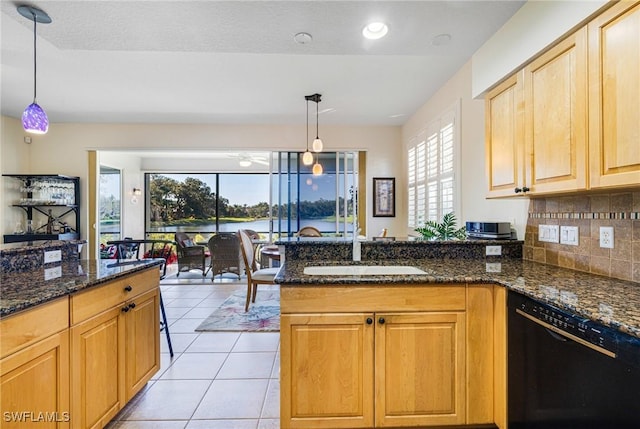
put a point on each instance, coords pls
(263, 315)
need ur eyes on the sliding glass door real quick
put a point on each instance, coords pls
(327, 201)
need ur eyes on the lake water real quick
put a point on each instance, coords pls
(257, 225)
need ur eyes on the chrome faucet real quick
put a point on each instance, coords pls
(356, 245)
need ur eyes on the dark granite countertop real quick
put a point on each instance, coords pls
(19, 291)
(612, 302)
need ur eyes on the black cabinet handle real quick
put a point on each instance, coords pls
(128, 288)
(132, 305)
(125, 309)
(523, 189)
(381, 320)
(369, 320)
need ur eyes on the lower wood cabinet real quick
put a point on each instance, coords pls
(34, 368)
(114, 354)
(402, 363)
(35, 385)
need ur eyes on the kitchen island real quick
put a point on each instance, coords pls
(417, 349)
(79, 339)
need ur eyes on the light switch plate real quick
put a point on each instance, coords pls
(548, 233)
(569, 235)
(52, 256)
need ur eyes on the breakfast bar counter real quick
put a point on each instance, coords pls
(612, 302)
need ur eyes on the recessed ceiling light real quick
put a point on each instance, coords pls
(302, 38)
(441, 39)
(375, 30)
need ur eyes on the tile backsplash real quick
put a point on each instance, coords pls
(588, 212)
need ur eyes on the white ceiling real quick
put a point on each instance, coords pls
(236, 61)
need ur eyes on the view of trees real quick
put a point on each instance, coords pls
(172, 201)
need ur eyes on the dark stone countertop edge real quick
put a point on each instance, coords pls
(580, 293)
(66, 286)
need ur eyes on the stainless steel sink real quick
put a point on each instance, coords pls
(362, 270)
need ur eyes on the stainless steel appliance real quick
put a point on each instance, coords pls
(489, 230)
(566, 371)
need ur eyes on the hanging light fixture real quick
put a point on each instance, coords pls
(307, 157)
(317, 143)
(34, 118)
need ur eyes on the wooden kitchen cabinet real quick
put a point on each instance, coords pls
(370, 357)
(115, 346)
(420, 369)
(555, 118)
(504, 136)
(614, 97)
(34, 367)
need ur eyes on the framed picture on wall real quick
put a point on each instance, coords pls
(384, 197)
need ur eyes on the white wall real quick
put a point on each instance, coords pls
(131, 177)
(64, 150)
(474, 184)
(531, 29)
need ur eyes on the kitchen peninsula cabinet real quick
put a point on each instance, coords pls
(614, 97)
(114, 346)
(386, 356)
(34, 367)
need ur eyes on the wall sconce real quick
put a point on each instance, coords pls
(135, 193)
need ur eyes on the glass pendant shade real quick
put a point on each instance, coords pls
(307, 158)
(317, 145)
(317, 169)
(34, 119)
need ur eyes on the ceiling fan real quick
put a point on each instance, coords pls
(245, 159)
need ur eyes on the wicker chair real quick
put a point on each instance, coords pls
(309, 231)
(254, 276)
(225, 254)
(190, 256)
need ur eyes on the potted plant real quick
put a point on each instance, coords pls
(445, 230)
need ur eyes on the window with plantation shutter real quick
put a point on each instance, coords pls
(432, 166)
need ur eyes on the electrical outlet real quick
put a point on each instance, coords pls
(548, 233)
(493, 267)
(606, 237)
(52, 256)
(493, 250)
(569, 235)
(52, 273)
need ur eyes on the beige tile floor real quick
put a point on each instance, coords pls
(215, 380)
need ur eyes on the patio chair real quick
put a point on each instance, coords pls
(309, 231)
(224, 248)
(254, 276)
(190, 255)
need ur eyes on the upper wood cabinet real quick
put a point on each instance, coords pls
(614, 97)
(503, 138)
(555, 118)
(577, 120)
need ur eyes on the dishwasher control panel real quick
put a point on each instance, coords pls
(572, 324)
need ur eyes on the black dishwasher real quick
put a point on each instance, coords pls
(568, 372)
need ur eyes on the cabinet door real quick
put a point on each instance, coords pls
(614, 97)
(327, 374)
(504, 138)
(420, 369)
(97, 366)
(34, 385)
(555, 105)
(142, 341)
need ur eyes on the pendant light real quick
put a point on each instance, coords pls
(317, 143)
(34, 118)
(307, 157)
